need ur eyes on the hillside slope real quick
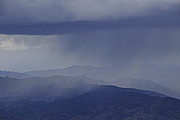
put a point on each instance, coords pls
(102, 103)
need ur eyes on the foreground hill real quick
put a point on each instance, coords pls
(102, 103)
(145, 84)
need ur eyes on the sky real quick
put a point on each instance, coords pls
(31, 11)
(44, 34)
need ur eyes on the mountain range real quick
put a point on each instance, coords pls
(43, 88)
(162, 74)
(81, 98)
(158, 78)
(101, 103)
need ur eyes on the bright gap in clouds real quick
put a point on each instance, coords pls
(24, 42)
(10, 44)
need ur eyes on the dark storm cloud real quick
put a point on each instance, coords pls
(165, 20)
(47, 17)
(53, 11)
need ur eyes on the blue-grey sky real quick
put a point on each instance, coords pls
(30, 11)
(42, 34)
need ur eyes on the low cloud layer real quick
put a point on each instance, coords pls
(30, 11)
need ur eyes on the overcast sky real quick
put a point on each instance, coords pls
(138, 31)
(27, 11)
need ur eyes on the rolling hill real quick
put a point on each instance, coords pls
(101, 103)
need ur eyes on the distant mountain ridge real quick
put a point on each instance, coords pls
(160, 77)
(81, 71)
(53, 85)
(164, 74)
(13, 74)
(44, 88)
